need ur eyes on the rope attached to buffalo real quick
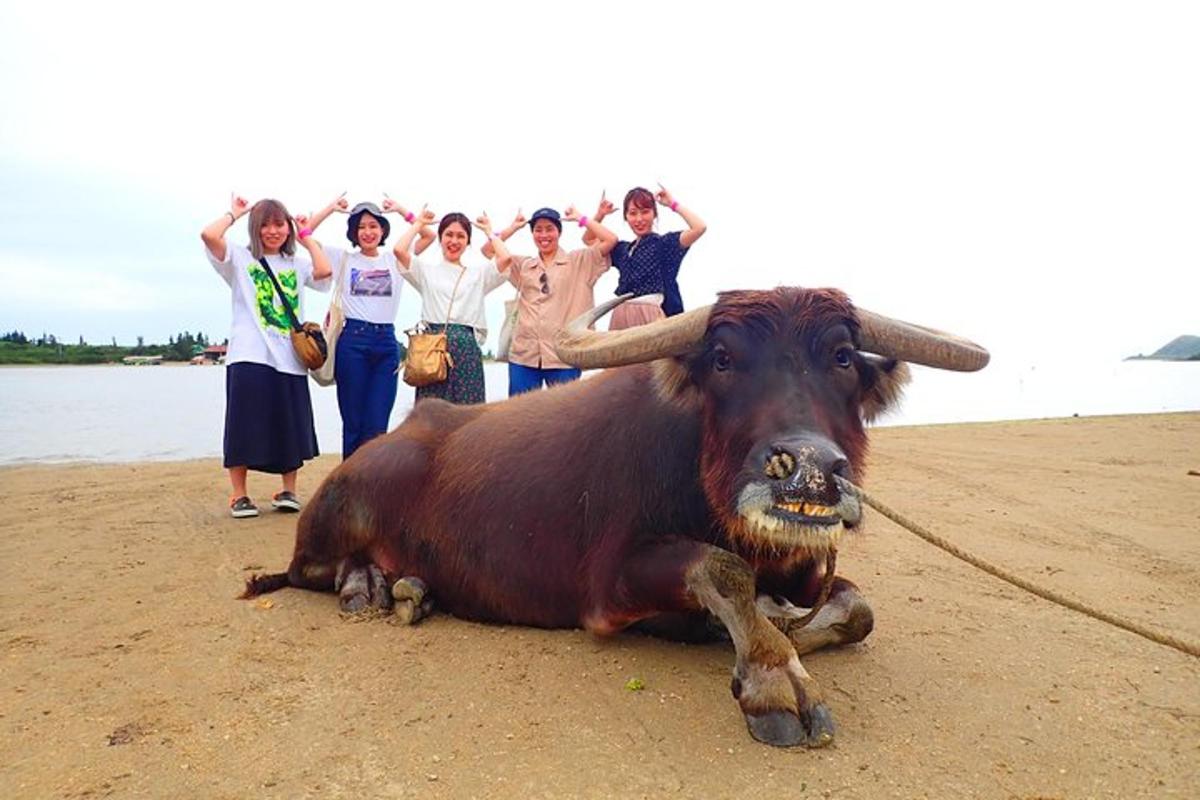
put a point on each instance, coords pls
(1182, 645)
(826, 585)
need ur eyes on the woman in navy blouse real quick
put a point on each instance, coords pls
(649, 265)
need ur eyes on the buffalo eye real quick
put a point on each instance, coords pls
(721, 359)
(843, 357)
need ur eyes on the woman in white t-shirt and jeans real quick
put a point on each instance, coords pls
(268, 411)
(368, 355)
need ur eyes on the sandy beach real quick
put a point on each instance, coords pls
(130, 669)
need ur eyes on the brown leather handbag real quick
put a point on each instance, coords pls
(429, 360)
(307, 340)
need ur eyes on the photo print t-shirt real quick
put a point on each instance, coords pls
(371, 286)
(261, 328)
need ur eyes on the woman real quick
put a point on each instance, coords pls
(367, 281)
(649, 265)
(268, 411)
(553, 288)
(452, 296)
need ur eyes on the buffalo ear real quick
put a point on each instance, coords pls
(673, 381)
(882, 381)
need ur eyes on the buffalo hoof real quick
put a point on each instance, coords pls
(364, 588)
(779, 728)
(413, 602)
(819, 723)
(785, 729)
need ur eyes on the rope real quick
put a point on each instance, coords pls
(826, 585)
(1182, 645)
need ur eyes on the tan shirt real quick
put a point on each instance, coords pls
(568, 293)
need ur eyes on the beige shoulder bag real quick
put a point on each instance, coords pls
(428, 360)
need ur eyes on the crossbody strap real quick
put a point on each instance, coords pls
(461, 271)
(286, 306)
(341, 279)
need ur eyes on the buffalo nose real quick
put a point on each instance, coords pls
(807, 466)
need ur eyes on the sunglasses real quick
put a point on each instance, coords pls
(545, 283)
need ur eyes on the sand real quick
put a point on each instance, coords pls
(130, 669)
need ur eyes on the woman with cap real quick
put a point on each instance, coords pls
(649, 265)
(553, 288)
(268, 410)
(368, 355)
(452, 294)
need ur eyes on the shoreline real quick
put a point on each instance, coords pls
(873, 431)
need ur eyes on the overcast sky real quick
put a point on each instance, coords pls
(1026, 174)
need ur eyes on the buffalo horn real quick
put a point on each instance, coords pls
(582, 347)
(578, 345)
(917, 344)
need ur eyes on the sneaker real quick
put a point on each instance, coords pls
(285, 501)
(242, 507)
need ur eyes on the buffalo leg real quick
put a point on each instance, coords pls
(845, 618)
(780, 701)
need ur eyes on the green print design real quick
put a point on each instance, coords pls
(271, 313)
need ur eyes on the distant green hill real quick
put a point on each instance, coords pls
(1181, 348)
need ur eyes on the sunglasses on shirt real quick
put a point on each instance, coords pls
(545, 282)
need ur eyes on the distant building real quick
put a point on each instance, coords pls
(215, 353)
(141, 361)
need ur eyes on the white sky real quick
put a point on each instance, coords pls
(1022, 173)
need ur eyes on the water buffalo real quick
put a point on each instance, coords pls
(700, 478)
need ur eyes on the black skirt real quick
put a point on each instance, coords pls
(268, 419)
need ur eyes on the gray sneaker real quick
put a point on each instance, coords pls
(242, 507)
(286, 502)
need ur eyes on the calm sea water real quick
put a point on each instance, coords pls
(113, 413)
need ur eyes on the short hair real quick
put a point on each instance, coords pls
(356, 215)
(265, 211)
(452, 218)
(639, 198)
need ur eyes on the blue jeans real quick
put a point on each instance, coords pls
(368, 356)
(523, 379)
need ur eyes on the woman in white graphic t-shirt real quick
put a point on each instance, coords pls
(268, 411)
(367, 280)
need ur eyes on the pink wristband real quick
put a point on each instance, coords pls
(409, 217)
(583, 222)
(304, 233)
(674, 205)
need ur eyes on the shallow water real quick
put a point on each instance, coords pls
(115, 413)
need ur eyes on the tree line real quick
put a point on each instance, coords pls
(18, 348)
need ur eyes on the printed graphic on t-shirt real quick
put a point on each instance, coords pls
(370, 282)
(271, 313)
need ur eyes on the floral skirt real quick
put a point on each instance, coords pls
(465, 384)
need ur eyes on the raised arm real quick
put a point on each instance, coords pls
(499, 248)
(322, 269)
(312, 223)
(518, 222)
(419, 222)
(213, 234)
(600, 235)
(425, 236)
(696, 226)
(605, 208)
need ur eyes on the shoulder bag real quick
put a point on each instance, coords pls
(307, 339)
(506, 330)
(335, 320)
(428, 360)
